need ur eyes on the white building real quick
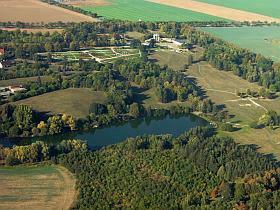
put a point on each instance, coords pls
(156, 37)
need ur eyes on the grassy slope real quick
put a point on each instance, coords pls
(41, 187)
(147, 11)
(267, 139)
(74, 101)
(263, 7)
(174, 60)
(253, 38)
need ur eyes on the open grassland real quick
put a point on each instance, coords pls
(22, 81)
(37, 11)
(147, 11)
(264, 7)
(72, 101)
(173, 59)
(219, 11)
(220, 86)
(264, 40)
(135, 35)
(36, 187)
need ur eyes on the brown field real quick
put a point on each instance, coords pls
(86, 3)
(37, 11)
(36, 187)
(219, 11)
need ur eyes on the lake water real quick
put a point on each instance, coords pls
(104, 136)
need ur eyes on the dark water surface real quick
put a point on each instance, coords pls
(104, 136)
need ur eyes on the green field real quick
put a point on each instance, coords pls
(264, 40)
(147, 11)
(72, 101)
(263, 7)
(36, 187)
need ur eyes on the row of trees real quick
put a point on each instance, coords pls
(39, 151)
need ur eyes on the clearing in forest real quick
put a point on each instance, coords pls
(221, 87)
(71, 101)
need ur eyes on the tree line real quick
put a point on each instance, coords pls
(39, 151)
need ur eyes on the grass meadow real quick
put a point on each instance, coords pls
(135, 10)
(264, 40)
(36, 187)
(174, 60)
(263, 7)
(72, 101)
(221, 87)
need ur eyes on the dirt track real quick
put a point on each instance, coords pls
(219, 11)
(37, 11)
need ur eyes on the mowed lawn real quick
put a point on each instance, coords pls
(136, 10)
(36, 187)
(72, 101)
(264, 40)
(263, 7)
(220, 86)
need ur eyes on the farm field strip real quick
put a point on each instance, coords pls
(219, 11)
(264, 40)
(37, 11)
(264, 7)
(36, 187)
(136, 10)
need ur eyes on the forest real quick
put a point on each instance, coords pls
(196, 170)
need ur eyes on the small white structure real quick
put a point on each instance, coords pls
(156, 37)
(16, 89)
(1, 66)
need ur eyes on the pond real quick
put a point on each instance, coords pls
(104, 136)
